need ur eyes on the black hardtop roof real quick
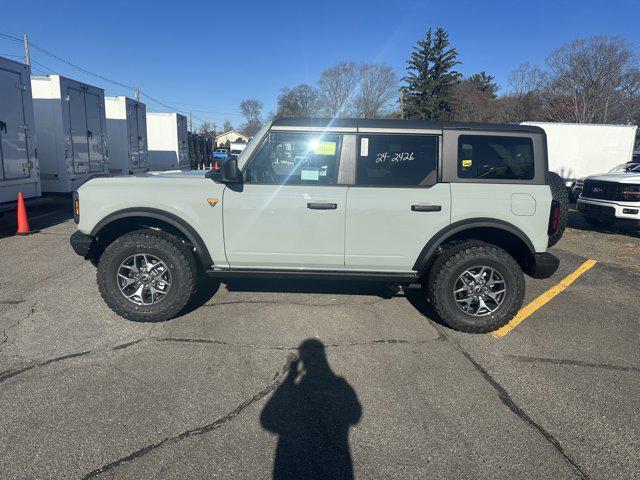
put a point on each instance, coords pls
(396, 123)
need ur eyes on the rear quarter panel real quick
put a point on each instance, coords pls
(527, 207)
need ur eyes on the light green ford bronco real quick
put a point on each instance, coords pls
(463, 209)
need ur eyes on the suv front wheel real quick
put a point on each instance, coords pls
(147, 275)
(475, 287)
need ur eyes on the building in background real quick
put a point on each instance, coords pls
(230, 136)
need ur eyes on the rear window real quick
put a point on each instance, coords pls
(495, 157)
(397, 160)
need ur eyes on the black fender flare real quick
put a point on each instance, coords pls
(178, 223)
(447, 232)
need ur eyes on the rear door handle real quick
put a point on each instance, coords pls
(322, 206)
(426, 208)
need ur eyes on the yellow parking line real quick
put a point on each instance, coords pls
(543, 299)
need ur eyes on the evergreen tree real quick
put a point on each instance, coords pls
(429, 93)
(485, 84)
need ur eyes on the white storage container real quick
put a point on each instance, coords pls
(126, 135)
(168, 141)
(577, 150)
(18, 163)
(71, 126)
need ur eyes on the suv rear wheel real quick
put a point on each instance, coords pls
(147, 275)
(475, 287)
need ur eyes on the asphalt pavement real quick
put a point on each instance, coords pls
(307, 377)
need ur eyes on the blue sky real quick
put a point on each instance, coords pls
(208, 56)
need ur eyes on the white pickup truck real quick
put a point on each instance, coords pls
(611, 197)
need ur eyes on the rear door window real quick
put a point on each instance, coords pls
(495, 157)
(397, 160)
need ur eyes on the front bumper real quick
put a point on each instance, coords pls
(542, 265)
(627, 213)
(82, 244)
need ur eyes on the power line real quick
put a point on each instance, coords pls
(104, 78)
(80, 69)
(11, 37)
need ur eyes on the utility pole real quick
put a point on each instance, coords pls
(26, 49)
(191, 121)
(137, 94)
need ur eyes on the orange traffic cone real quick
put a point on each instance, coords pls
(23, 221)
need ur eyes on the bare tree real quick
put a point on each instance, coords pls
(587, 78)
(251, 109)
(338, 86)
(227, 127)
(301, 101)
(206, 130)
(524, 100)
(377, 86)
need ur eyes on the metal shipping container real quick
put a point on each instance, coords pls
(18, 163)
(126, 135)
(71, 127)
(168, 141)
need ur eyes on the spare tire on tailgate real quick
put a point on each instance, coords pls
(560, 195)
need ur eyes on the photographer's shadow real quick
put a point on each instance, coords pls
(311, 412)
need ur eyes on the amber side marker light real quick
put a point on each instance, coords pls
(76, 207)
(212, 201)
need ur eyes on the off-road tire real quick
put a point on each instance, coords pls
(598, 223)
(560, 195)
(451, 263)
(170, 249)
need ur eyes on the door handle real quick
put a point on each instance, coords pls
(322, 206)
(426, 208)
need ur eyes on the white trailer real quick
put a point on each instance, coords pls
(71, 127)
(126, 135)
(18, 162)
(577, 150)
(168, 141)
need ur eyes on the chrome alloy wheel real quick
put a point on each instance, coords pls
(479, 291)
(144, 279)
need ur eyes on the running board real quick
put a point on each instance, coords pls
(317, 275)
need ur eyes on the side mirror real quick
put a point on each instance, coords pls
(227, 173)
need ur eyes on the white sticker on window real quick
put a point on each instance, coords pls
(364, 147)
(309, 175)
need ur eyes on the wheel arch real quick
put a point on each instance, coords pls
(490, 230)
(123, 221)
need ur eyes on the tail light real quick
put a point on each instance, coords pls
(554, 217)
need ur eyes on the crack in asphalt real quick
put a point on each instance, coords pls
(573, 363)
(31, 311)
(11, 302)
(506, 400)
(126, 345)
(6, 375)
(209, 427)
(389, 341)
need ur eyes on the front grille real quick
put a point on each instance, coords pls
(610, 191)
(596, 209)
